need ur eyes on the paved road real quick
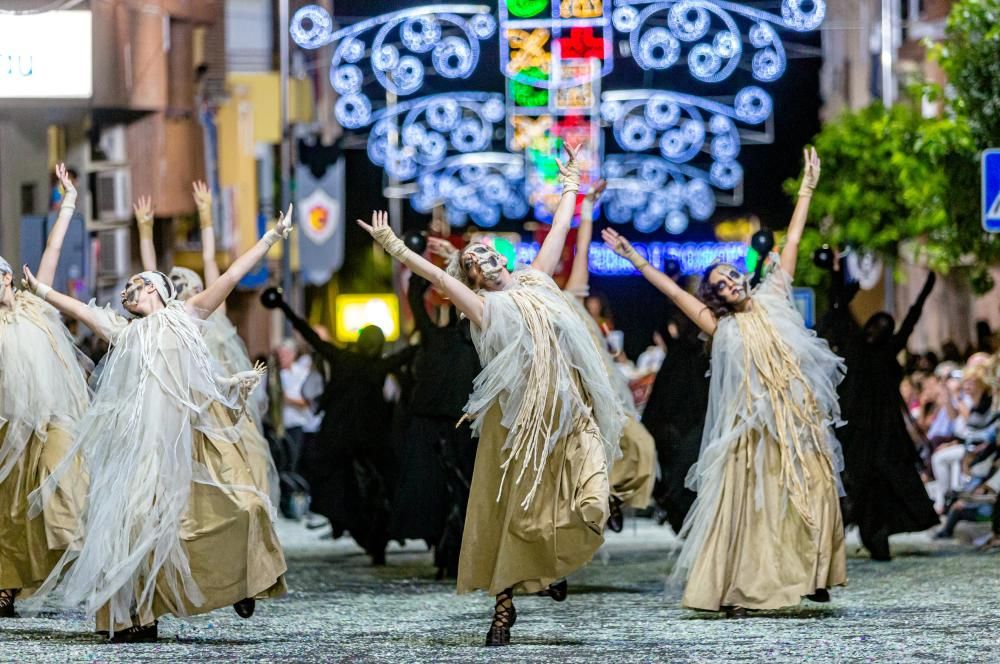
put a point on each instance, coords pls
(934, 602)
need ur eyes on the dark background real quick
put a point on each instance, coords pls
(638, 309)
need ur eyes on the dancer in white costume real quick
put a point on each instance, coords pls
(547, 418)
(224, 342)
(175, 522)
(766, 528)
(43, 394)
(634, 475)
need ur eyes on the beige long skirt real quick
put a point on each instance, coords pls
(506, 546)
(228, 536)
(768, 558)
(633, 475)
(30, 548)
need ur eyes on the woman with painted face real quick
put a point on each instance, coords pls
(765, 529)
(175, 521)
(43, 394)
(223, 341)
(547, 418)
(633, 476)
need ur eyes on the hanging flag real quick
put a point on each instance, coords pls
(320, 210)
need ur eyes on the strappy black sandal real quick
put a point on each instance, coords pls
(616, 519)
(556, 591)
(504, 617)
(137, 634)
(7, 597)
(245, 607)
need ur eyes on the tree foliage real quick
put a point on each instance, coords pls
(970, 56)
(892, 176)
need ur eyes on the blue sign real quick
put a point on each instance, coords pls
(991, 190)
(805, 302)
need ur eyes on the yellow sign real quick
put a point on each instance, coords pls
(356, 311)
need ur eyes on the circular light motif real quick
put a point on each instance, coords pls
(615, 211)
(483, 25)
(676, 223)
(674, 195)
(456, 218)
(353, 111)
(688, 21)
(611, 111)
(633, 194)
(420, 34)
(493, 110)
(625, 19)
(720, 124)
(767, 65)
(447, 185)
(351, 50)
(443, 114)
(673, 146)
(386, 58)
(408, 75)
(515, 207)
(693, 131)
(704, 61)
(725, 147)
(311, 27)
(432, 149)
(614, 168)
(658, 49)
(646, 222)
(470, 136)
(726, 174)
(752, 105)
(797, 19)
(726, 45)
(700, 199)
(636, 135)
(414, 134)
(653, 173)
(471, 173)
(662, 113)
(401, 166)
(485, 216)
(347, 79)
(452, 58)
(495, 189)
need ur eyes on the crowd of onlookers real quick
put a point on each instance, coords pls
(954, 412)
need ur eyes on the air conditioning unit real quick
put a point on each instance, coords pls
(110, 146)
(113, 253)
(113, 195)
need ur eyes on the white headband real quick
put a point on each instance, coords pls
(188, 278)
(164, 287)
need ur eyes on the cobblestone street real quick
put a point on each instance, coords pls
(935, 601)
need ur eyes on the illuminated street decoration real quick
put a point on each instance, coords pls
(653, 193)
(675, 123)
(682, 150)
(483, 187)
(448, 34)
(409, 137)
(692, 257)
(554, 55)
(709, 32)
(355, 312)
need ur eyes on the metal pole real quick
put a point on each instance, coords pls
(887, 56)
(285, 161)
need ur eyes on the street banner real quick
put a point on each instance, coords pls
(320, 220)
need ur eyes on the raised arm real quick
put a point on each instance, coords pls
(325, 349)
(579, 277)
(144, 219)
(69, 306)
(203, 201)
(53, 246)
(810, 177)
(207, 301)
(692, 307)
(901, 337)
(548, 256)
(461, 295)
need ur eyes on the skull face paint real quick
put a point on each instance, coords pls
(488, 261)
(131, 293)
(732, 281)
(186, 282)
